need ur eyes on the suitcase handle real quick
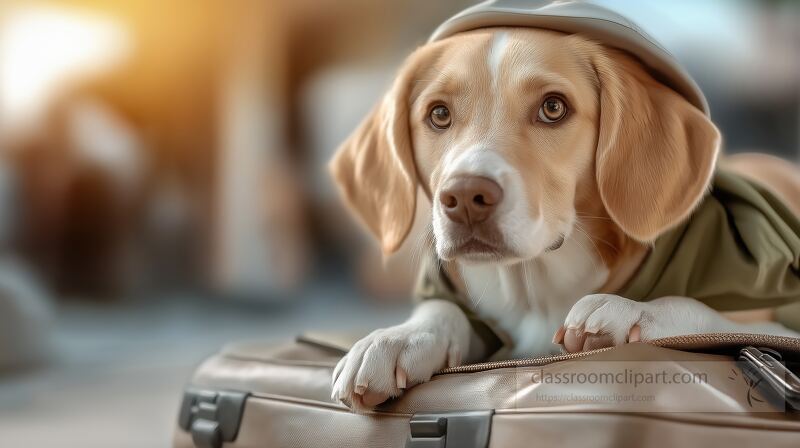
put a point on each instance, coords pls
(450, 430)
(211, 416)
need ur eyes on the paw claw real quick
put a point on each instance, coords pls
(574, 340)
(453, 358)
(372, 399)
(603, 320)
(558, 338)
(401, 378)
(635, 334)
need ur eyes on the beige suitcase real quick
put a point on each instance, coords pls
(714, 390)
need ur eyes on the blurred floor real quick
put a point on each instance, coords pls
(118, 378)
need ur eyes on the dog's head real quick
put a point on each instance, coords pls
(516, 135)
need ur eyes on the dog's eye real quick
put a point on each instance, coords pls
(552, 110)
(440, 117)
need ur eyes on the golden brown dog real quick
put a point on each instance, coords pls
(551, 163)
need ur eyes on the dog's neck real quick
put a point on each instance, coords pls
(619, 253)
(529, 300)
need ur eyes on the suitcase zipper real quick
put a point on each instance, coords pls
(522, 362)
(687, 342)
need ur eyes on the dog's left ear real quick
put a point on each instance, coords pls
(656, 152)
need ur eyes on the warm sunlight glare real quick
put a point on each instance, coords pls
(41, 48)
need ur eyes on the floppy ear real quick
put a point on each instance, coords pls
(374, 168)
(656, 152)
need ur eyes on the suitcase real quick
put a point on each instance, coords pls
(735, 390)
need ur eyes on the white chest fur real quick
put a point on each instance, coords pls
(530, 300)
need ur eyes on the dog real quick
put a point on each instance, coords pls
(552, 162)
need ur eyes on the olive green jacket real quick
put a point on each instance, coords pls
(739, 249)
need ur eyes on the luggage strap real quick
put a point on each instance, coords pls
(468, 429)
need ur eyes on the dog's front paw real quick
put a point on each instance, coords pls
(603, 320)
(387, 361)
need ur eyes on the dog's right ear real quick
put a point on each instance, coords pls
(374, 168)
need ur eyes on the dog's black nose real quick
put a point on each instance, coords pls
(470, 199)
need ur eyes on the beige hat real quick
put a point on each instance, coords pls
(588, 19)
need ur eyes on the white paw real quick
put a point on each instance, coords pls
(604, 320)
(387, 361)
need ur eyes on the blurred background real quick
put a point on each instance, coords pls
(163, 187)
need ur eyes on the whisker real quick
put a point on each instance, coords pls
(525, 276)
(612, 246)
(606, 218)
(480, 299)
(420, 246)
(528, 282)
(599, 256)
(607, 243)
(438, 263)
